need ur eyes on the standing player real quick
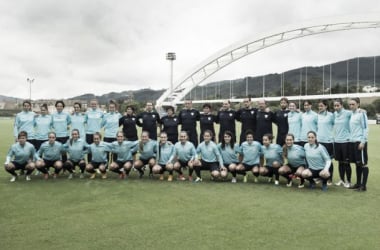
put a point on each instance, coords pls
(309, 120)
(169, 125)
(24, 121)
(281, 120)
(60, 122)
(110, 123)
(78, 120)
(149, 120)
(226, 118)
(188, 118)
(206, 121)
(295, 123)
(128, 123)
(325, 128)
(358, 144)
(93, 119)
(21, 156)
(341, 142)
(264, 119)
(247, 116)
(42, 126)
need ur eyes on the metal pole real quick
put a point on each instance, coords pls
(323, 79)
(330, 77)
(348, 62)
(30, 81)
(306, 81)
(230, 89)
(246, 86)
(357, 80)
(263, 86)
(374, 71)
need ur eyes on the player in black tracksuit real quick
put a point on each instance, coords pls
(149, 120)
(226, 118)
(281, 120)
(128, 121)
(264, 119)
(188, 118)
(247, 117)
(169, 124)
(206, 121)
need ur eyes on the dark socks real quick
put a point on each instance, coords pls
(359, 171)
(82, 167)
(342, 170)
(198, 171)
(365, 176)
(348, 171)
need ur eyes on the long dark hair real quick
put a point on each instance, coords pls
(285, 147)
(315, 134)
(71, 139)
(232, 142)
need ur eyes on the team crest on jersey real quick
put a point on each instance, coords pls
(175, 119)
(266, 116)
(285, 115)
(192, 113)
(153, 116)
(252, 112)
(133, 119)
(209, 118)
(230, 114)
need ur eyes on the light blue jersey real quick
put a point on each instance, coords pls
(325, 127)
(251, 153)
(309, 123)
(295, 123)
(61, 122)
(50, 152)
(359, 126)
(317, 157)
(296, 156)
(342, 126)
(164, 153)
(24, 121)
(184, 152)
(124, 150)
(21, 154)
(76, 149)
(228, 153)
(272, 153)
(100, 151)
(209, 152)
(110, 123)
(78, 122)
(42, 125)
(93, 120)
(148, 149)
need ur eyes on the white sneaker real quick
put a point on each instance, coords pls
(245, 178)
(233, 180)
(317, 180)
(198, 180)
(28, 178)
(269, 180)
(255, 180)
(347, 184)
(340, 183)
(276, 182)
(98, 171)
(13, 179)
(81, 176)
(289, 184)
(37, 173)
(329, 183)
(70, 176)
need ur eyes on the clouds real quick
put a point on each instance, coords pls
(76, 47)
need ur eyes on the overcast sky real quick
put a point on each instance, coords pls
(74, 47)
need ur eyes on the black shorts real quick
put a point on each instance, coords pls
(184, 164)
(315, 173)
(294, 169)
(248, 167)
(212, 166)
(121, 164)
(301, 143)
(358, 156)
(73, 163)
(146, 161)
(97, 164)
(341, 151)
(109, 139)
(270, 171)
(330, 148)
(49, 164)
(19, 166)
(89, 138)
(62, 140)
(33, 142)
(38, 144)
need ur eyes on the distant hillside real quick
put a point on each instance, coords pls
(295, 81)
(142, 95)
(9, 99)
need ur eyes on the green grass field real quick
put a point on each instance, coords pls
(153, 214)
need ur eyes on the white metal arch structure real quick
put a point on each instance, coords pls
(234, 53)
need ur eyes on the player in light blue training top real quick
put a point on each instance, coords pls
(295, 122)
(229, 151)
(165, 151)
(296, 161)
(341, 142)
(99, 150)
(76, 148)
(24, 121)
(21, 156)
(325, 132)
(318, 161)
(273, 159)
(93, 120)
(42, 126)
(309, 120)
(250, 152)
(147, 148)
(358, 144)
(78, 120)
(60, 122)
